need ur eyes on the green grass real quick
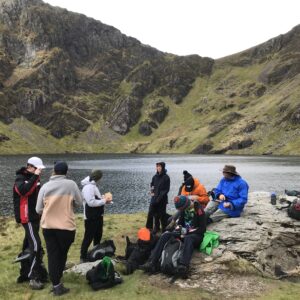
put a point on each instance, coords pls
(135, 286)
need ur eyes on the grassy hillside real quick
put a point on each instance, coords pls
(136, 286)
(220, 110)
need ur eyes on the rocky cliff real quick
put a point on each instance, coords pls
(86, 87)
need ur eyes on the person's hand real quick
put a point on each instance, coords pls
(108, 197)
(227, 205)
(171, 225)
(222, 197)
(38, 171)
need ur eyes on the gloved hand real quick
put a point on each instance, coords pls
(171, 225)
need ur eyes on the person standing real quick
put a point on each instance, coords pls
(25, 192)
(93, 210)
(231, 196)
(55, 202)
(160, 186)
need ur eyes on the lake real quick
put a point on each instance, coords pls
(128, 176)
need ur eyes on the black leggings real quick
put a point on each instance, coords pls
(93, 232)
(58, 243)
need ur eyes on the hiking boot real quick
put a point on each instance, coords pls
(83, 260)
(209, 220)
(22, 279)
(150, 267)
(36, 284)
(182, 271)
(60, 290)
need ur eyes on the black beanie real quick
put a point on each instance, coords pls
(60, 168)
(186, 175)
(189, 184)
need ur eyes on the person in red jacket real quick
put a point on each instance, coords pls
(192, 188)
(25, 192)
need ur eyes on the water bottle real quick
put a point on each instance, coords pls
(273, 199)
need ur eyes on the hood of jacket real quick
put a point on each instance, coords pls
(87, 181)
(22, 171)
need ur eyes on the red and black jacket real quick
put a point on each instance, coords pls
(25, 192)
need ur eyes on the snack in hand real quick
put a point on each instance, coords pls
(108, 196)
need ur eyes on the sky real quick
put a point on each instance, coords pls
(213, 28)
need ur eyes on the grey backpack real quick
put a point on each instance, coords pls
(170, 256)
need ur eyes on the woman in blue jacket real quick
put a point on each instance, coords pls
(231, 195)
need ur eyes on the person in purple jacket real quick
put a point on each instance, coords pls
(231, 195)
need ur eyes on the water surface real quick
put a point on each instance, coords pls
(128, 176)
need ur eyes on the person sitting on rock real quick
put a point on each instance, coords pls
(192, 188)
(193, 221)
(231, 195)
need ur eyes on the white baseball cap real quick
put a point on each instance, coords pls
(36, 162)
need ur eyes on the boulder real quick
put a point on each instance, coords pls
(264, 237)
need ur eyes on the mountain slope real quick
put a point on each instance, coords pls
(86, 87)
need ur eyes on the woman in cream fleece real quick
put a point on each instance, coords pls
(55, 202)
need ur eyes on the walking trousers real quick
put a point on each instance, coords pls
(58, 243)
(190, 242)
(93, 232)
(158, 212)
(33, 241)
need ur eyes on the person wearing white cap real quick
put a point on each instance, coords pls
(25, 192)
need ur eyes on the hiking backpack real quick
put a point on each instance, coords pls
(103, 275)
(107, 248)
(24, 258)
(294, 209)
(170, 256)
(137, 253)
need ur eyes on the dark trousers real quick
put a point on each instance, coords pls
(58, 243)
(93, 232)
(190, 242)
(158, 212)
(33, 242)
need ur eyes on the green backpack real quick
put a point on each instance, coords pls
(103, 275)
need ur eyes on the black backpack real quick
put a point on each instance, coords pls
(107, 248)
(137, 253)
(103, 275)
(293, 193)
(170, 256)
(294, 209)
(24, 259)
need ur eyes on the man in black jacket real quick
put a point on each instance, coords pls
(191, 229)
(25, 192)
(160, 186)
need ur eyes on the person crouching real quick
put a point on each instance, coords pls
(193, 222)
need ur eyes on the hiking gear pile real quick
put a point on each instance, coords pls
(103, 275)
(106, 248)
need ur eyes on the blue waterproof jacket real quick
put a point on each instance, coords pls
(236, 192)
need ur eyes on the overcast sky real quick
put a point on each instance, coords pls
(213, 28)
